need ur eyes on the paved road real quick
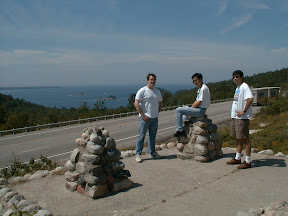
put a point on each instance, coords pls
(57, 143)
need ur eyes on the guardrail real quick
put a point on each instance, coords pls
(79, 121)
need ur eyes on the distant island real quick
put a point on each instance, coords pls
(111, 97)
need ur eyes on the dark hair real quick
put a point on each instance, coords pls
(198, 75)
(150, 74)
(238, 72)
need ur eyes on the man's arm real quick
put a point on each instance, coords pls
(160, 105)
(139, 109)
(247, 106)
(196, 104)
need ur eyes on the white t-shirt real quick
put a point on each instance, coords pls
(149, 101)
(203, 94)
(242, 93)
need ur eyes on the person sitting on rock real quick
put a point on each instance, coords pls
(198, 108)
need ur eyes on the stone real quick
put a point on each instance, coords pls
(9, 195)
(59, 170)
(254, 150)
(69, 166)
(3, 181)
(39, 174)
(117, 166)
(112, 154)
(170, 145)
(8, 212)
(122, 185)
(2, 209)
(180, 147)
(110, 143)
(80, 189)
(212, 128)
(212, 154)
(158, 148)
(189, 148)
(201, 124)
(32, 208)
(27, 176)
(81, 142)
(219, 153)
(279, 154)
(15, 200)
(202, 140)
(95, 149)
(163, 146)
(184, 156)
(22, 204)
(266, 152)
(201, 158)
(214, 136)
(200, 149)
(128, 153)
(95, 180)
(75, 155)
(198, 130)
(105, 133)
(211, 146)
(89, 158)
(219, 144)
(81, 167)
(98, 191)
(17, 179)
(95, 170)
(72, 186)
(85, 135)
(43, 213)
(72, 176)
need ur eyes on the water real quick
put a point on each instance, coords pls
(75, 96)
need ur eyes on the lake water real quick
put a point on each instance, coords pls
(75, 96)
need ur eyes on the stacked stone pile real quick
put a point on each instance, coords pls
(95, 167)
(202, 142)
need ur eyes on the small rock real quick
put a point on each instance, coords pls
(254, 150)
(59, 170)
(251, 212)
(3, 191)
(171, 145)
(3, 181)
(98, 191)
(32, 208)
(158, 148)
(75, 155)
(9, 195)
(43, 213)
(72, 186)
(266, 152)
(8, 212)
(128, 153)
(39, 174)
(280, 154)
(163, 146)
(23, 203)
(15, 200)
(201, 158)
(180, 146)
(123, 185)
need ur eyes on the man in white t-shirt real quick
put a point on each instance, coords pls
(241, 113)
(148, 102)
(198, 108)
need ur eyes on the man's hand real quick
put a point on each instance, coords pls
(145, 118)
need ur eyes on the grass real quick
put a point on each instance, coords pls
(18, 168)
(272, 133)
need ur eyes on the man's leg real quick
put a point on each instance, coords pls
(153, 127)
(188, 111)
(143, 126)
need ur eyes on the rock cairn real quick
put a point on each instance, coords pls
(202, 142)
(94, 167)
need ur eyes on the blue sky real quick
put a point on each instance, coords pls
(104, 42)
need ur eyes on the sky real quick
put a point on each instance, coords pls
(118, 42)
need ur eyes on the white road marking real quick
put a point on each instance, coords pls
(34, 149)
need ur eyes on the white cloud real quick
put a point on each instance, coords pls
(256, 5)
(238, 23)
(222, 7)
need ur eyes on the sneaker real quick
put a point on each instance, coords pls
(180, 133)
(244, 165)
(138, 159)
(155, 155)
(233, 161)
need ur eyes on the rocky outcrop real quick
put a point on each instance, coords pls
(202, 142)
(94, 167)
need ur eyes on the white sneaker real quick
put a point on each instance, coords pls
(155, 155)
(138, 159)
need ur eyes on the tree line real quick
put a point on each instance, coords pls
(18, 113)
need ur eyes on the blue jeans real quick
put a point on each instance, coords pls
(151, 126)
(187, 111)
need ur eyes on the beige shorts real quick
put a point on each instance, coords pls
(240, 128)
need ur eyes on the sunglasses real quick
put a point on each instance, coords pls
(235, 77)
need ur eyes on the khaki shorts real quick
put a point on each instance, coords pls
(240, 128)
